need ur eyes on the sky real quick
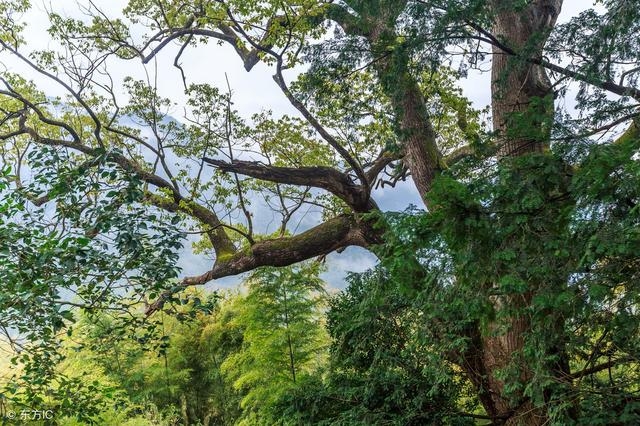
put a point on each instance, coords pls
(253, 92)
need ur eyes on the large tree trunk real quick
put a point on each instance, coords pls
(520, 95)
(522, 108)
(503, 350)
(522, 104)
(376, 22)
(414, 128)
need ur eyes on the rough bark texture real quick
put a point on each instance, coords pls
(327, 178)
(418, 138)
(420, 152)
(521, 88)
(504, 349)
(522, 108)
(329, 236)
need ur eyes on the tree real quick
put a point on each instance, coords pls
(382, 369)
(519, 223)
(174, 375)
(283, 338)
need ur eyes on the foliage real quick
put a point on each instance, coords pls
(231, 364)
(558, 235)
(164, 378)
(44, 265)
(512, 297)
(381, 369)
(283, 339)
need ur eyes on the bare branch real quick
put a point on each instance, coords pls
(75, 94)
(326, 178)
(601, 367)
(249, 57)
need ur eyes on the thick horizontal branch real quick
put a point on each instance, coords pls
(334, 234)
(325, 178)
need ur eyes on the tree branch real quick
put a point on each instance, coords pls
(600, 367)
(219, 239)
(379, 164)
(325, 178)
(249, 57)
(279, 79)
(334, 234)
(76, 95)
(221, 243)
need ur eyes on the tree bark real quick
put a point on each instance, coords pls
(334, 234)
(522, 108)
(419, 148)
(417, 136)
(327, 178)
(522, 102)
